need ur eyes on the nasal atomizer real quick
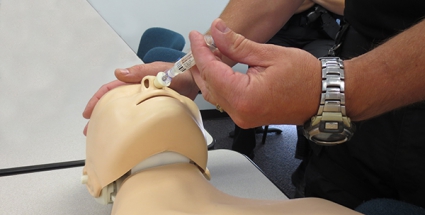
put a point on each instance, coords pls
(163, 79)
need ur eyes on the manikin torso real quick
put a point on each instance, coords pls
(160, 174)
(181, 188)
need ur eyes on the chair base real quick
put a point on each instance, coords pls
(269, 130)
(261, 130)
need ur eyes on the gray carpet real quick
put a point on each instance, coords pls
(275, 158)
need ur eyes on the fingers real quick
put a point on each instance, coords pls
(218, 82)
(102, 91)
(237, 47)
(240, 95)
(136, 73)
(206, 62)
(133, 74)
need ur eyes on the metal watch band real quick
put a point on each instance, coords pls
(332, 101)
(331, 125)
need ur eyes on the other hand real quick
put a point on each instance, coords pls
(183, 83)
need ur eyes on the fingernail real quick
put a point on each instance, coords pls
(124, 71)
(221, 26)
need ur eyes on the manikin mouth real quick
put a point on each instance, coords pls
(155, 96)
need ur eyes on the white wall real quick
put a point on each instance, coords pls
(130, 18)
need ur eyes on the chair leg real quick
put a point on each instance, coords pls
(260, 130)
(266, 128)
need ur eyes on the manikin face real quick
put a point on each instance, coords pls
(134, 122)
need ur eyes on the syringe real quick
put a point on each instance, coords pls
(163, 79)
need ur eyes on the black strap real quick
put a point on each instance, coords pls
(338, 40)
(329, 24)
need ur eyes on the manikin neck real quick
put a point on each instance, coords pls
(160, 159)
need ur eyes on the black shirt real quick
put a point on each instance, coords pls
(381, 19)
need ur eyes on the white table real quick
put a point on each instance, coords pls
(54, 55)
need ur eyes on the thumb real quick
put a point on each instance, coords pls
(236, 47)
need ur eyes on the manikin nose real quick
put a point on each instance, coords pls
(147, 84)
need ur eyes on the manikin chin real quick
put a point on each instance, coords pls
(146, 153)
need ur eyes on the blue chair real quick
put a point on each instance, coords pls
(162, 54)
(157, 37)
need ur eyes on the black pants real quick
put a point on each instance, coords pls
(296, 33)
(384, 159)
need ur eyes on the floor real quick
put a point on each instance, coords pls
(275, 158)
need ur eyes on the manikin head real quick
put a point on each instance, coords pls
(135, 122)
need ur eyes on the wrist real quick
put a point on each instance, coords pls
(330, 125)
(354, 108)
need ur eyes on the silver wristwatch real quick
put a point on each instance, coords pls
(331, 125)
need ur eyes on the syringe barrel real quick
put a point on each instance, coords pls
(185, 63)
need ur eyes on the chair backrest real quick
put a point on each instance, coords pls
(162, 54)
(159, 37)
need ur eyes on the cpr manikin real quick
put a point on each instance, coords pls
(147, 154)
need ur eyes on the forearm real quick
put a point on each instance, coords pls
(335, 6)
(307, 4)
(258, 20)
(388, 77)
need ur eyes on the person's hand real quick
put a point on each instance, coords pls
(282, 85)
(183, 83)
